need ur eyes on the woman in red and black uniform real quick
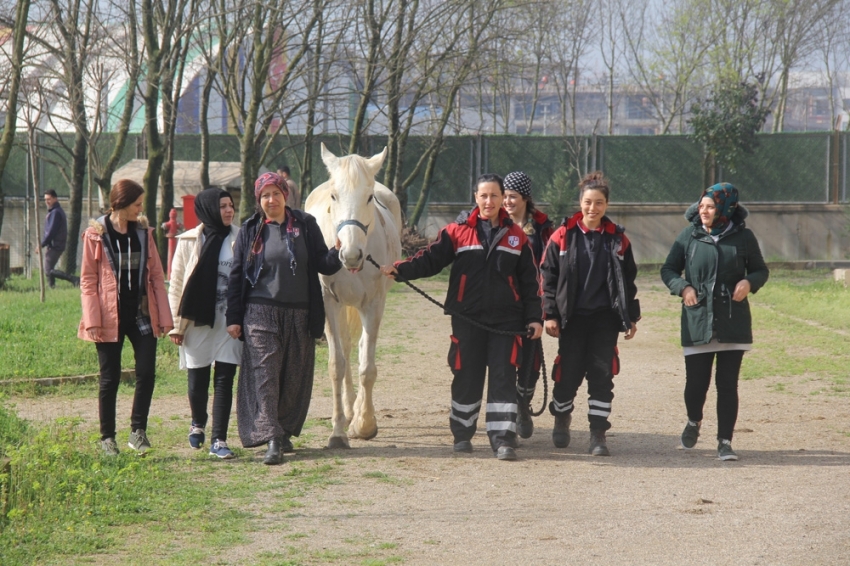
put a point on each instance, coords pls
(589, 294)
(494, 281)
(537, 226)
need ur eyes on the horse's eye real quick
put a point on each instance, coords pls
(370, 199)
(333, 198)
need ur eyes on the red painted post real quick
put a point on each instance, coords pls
(189, 218)
(171, 227)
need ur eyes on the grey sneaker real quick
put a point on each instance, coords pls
(690, 435)
(463, 446)
(139, 441)
(109, 446)
(598, 445)
(561, 431)
(724, 450)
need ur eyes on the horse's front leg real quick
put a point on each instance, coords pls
(336, 369)
(364, 424)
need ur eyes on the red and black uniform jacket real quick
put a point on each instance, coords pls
(543, 230)
(560, 273)
(493, 285)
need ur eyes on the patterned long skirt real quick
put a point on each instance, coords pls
(276, 382)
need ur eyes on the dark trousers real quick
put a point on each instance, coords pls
(109, 357)
(586, 349)
(51, 258)
(528, 373)
(199, 386)
(698, 378)
(473, 354)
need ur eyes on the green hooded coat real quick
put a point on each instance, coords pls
(713, 269)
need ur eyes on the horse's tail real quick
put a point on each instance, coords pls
(355, 327)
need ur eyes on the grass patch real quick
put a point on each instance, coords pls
(63, 501)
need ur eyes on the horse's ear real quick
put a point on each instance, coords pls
(330, 160)
(376, 161)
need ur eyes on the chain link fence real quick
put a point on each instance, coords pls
(785, 168)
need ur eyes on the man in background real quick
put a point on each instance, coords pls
(294, 200)
(53, 242)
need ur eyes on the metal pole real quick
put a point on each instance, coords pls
(836, 143)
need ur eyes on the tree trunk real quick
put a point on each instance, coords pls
(779, 115)
(205, 129)
(8, 138)
(425, 192)
(709, 170)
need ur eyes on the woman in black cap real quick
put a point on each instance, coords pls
(537, 226)
(198, 298)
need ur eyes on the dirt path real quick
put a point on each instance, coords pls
(405, 494)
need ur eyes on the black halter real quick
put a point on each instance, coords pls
(352, 222)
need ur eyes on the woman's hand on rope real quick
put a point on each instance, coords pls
(553, 328)
(535, 330)
(630, 333)
(389, 271)
(689, 296)
(235, 331)
(742, 289)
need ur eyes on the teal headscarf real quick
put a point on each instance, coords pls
(725, 197)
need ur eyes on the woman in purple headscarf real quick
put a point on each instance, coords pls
(722, 265)
(274, 304)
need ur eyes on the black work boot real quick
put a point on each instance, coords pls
(274, 455)
(524, 424)
(287, 447)
(561, 431)
(598, 446)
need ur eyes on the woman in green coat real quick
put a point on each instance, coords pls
(722, 265)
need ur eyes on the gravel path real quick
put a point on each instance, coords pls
(406, 495)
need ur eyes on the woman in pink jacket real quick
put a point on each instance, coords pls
(123, 295)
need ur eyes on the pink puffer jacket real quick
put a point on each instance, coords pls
(99, 287)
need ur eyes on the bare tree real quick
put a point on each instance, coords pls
(68, 41)
(567, 50)
(256, 37)
(117, 68)
(18, 26)
(799, 25)
(471, 23)
(611, 38)
(834, 51)
(164, 24)
(666, 56)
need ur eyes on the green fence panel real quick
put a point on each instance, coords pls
(15, 175)
(785, 168)
(651, 168)
(550, 162)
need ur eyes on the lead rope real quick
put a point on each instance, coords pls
(482, 326)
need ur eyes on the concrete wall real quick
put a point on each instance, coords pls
(786, 232)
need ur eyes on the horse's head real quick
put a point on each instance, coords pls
(352, 206)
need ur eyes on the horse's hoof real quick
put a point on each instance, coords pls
(371, 436)
(338, 442)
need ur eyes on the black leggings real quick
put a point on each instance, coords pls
(698, 378)
(199, 385)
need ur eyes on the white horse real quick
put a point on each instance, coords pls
(366, 217)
